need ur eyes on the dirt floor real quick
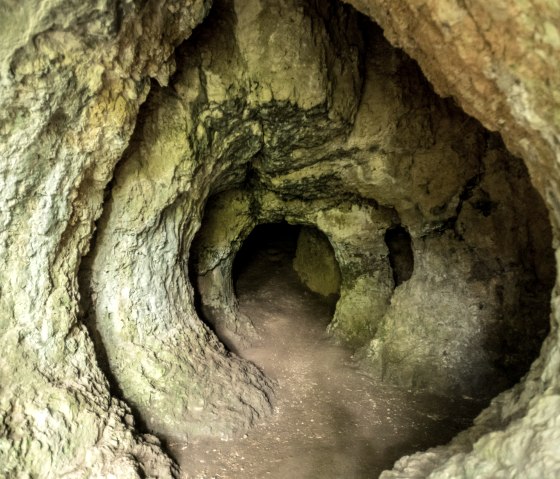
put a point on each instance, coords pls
(331, 419)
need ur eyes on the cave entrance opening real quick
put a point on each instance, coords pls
(292, 266)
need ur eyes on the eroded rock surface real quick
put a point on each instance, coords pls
(406, 158)
(315, 263)
(72, 77)
(499, 62)
(307, 114)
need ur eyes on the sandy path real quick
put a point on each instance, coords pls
(331, 419)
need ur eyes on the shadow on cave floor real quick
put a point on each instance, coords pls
(331, 419)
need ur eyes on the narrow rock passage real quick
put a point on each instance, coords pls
(331, 419)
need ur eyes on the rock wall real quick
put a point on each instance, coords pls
(497, 60)
(300, 104)
(315, 263)
(72, 77)
(413, 160)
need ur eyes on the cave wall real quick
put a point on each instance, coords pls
(189, 138)
(315, 263)
(72, 78)
(498, 61)
(414, 160)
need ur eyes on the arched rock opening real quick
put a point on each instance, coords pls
(278, 241)
(243, 111)
(302, 254)
(377, 150)
(307, 250)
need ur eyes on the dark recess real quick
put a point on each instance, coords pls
(401, 257)
(276, 239)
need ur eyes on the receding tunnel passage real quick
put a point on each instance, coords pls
(276, 241)
(331, 419)
(292, 269)
(302, 253)
(304, 248)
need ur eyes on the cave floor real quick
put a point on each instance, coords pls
(331, 419)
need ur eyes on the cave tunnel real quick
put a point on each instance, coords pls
(293, 269)
(277, 242)
(298, 258)
(249, 238)
(286, 282)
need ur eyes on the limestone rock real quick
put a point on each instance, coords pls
(298, 111)
(316, 264)
(498, 61)
(72, 78)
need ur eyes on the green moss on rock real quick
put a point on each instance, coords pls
(315, 262)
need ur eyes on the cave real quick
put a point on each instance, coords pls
(277, 241)
(303, 249)
(166, 165)
(401, 256)
(287, 282)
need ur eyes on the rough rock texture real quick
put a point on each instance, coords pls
(305, 110)
(315, 263)
(405, 158)
(72, 77)
(498, 60)
(191, 138)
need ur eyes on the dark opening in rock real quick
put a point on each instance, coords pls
(306, 248)
(275, 241)
(292, 267)
(300, 257)
(400, 253)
